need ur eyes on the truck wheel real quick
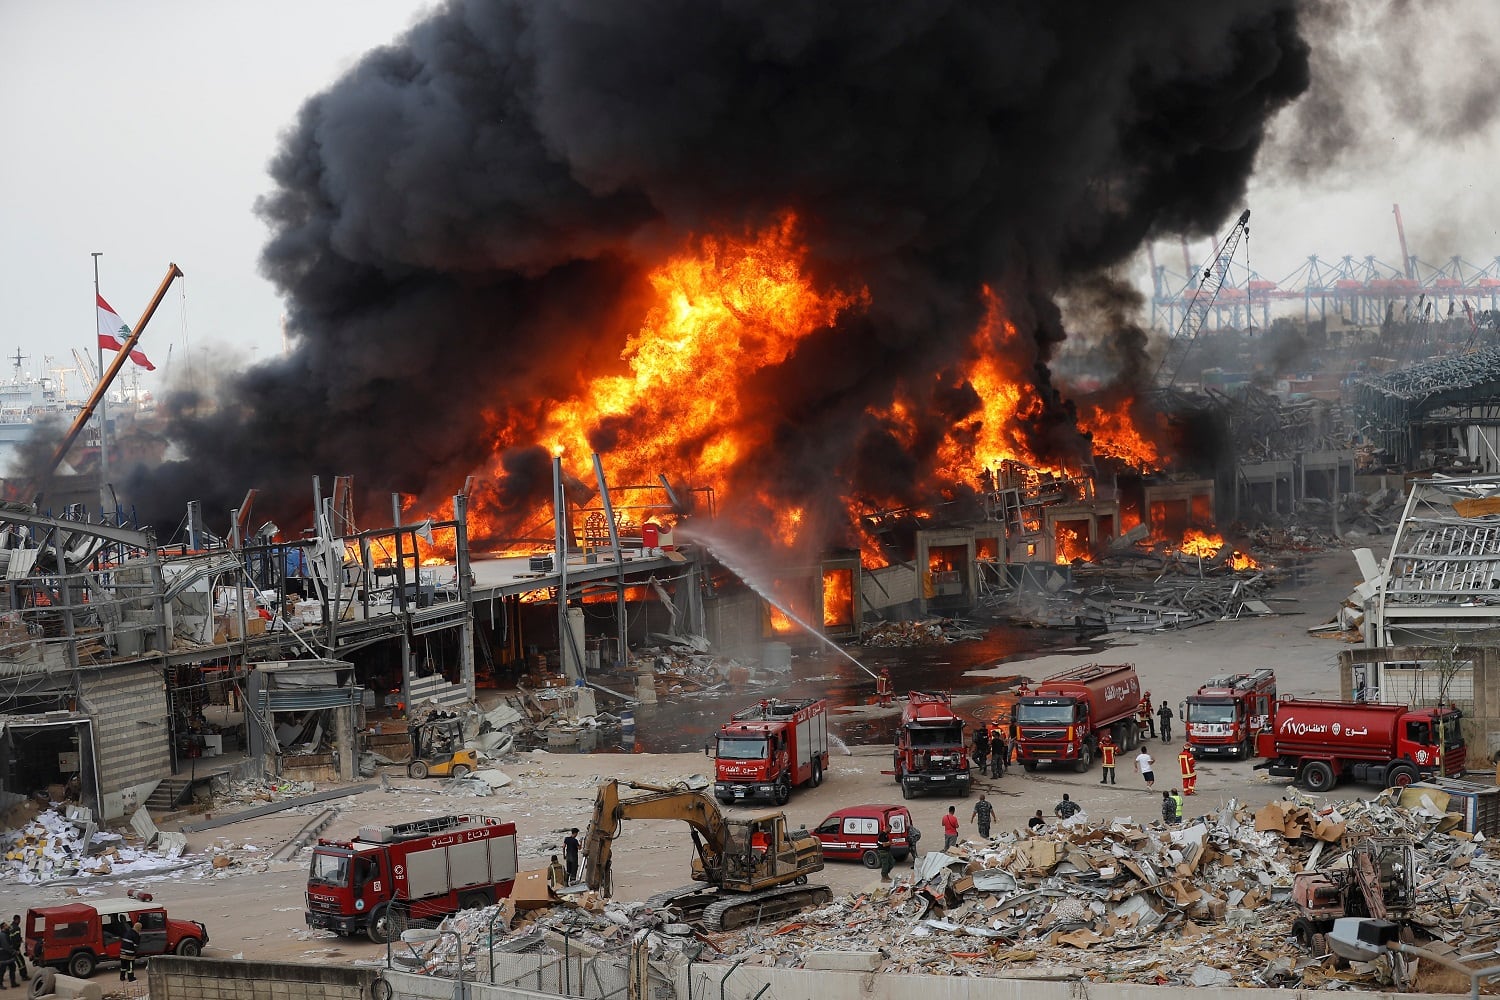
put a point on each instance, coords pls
(1085, 759)
(190, 947)
(817, 774)
(1399, 775)
(896, 767)
(460, 771)
(871, 859)
(1317, 776)
(1030, 765)
(386, 924)
(416, 769)
(905, 789)
(81, 964)
(1302, 930)
(783, 791)
(473, 901)
(725, 800)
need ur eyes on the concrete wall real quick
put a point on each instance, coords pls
(131, 739)
(745, 982)
(735, 620)
(173, 978)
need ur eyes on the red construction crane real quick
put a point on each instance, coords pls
(1406, 264)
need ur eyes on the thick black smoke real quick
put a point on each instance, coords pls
(460, 224)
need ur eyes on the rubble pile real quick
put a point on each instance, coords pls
(67, 844)
(254, 791)
(1104, 596)
(926, 632)
(1205, 904)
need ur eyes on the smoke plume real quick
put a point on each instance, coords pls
(460, 225)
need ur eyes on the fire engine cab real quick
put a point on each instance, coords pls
(767, 750)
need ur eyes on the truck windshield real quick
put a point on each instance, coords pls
(329, 869)
(936, 736)
(742, 749)
(1061, 715)
(1211, 711)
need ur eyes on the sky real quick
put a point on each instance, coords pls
(142, 131)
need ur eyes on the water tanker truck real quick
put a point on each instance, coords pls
(1064, 715)
(1319, 742)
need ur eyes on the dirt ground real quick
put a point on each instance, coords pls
(254, 908)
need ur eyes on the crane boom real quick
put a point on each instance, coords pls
(1204, 297)
(1405, 254)
(173, 273)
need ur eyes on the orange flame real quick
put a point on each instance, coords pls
(1206, 546)
(1115, 436)
(838, 597)
(682, 399)
(1070, 544)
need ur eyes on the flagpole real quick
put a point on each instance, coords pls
(103, 419)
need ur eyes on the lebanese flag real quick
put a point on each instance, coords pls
(113, 331)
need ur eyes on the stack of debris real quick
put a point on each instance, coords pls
(1205, 904)
(67, 844)
(927, 632)
(1101, 598)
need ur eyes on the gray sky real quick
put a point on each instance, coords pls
(143, 129)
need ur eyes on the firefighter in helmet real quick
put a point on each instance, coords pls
(1187, 764)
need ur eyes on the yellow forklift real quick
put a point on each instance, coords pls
(437, 749)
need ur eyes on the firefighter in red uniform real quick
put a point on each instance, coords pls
(1143, 717)
(885, 691)
(1107, 750)
(1186, 762)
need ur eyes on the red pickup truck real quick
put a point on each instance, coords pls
(79, 937)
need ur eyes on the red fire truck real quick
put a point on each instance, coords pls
(1317, 742)
(410, 871)
(1226, 713)
(930, 752)
(1063, 717)
(770, 748)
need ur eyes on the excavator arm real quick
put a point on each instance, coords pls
(698, 811)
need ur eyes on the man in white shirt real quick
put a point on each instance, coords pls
(1146, 765)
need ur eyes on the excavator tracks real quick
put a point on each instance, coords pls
(717, 911)
(731, 911)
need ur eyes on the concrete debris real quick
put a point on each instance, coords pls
(928, 632)
(230, 792)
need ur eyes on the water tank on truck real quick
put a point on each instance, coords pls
(1062, 718)
(1319, 742)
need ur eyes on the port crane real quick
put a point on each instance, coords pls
(1204, 296)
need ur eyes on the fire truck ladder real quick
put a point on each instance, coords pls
(424, 827)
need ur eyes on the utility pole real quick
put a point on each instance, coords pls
(103, 406)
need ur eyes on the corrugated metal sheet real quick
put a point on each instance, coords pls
(21, 562)
(309, 699)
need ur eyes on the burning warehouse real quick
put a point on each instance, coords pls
(799, 270)
(803, 263)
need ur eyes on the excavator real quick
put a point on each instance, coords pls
(748, 869)
(1379, 882)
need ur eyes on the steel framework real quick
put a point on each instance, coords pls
(1362, 290)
